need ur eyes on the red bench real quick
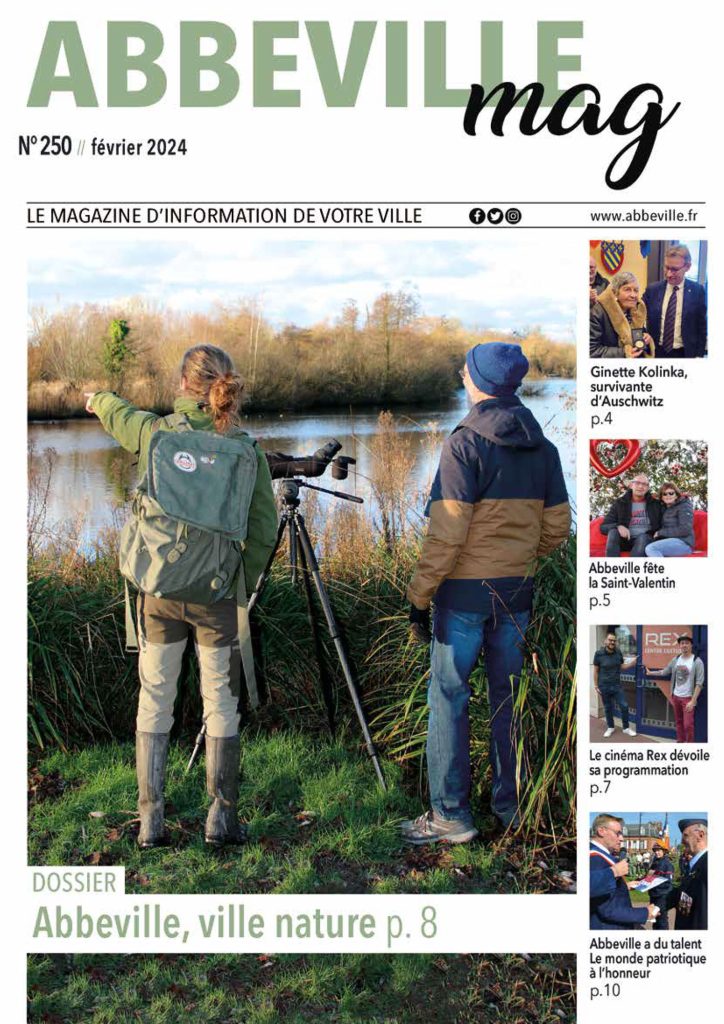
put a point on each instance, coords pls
(701, 539)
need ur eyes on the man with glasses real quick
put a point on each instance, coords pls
(632, 520)
(676, 309)
(611, 908)
(497, 504)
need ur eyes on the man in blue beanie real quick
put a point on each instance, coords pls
(498, 502)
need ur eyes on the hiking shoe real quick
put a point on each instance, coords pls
(629, 731)
(430, 828)
(609, 732)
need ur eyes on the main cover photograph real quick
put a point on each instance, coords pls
(301, 561)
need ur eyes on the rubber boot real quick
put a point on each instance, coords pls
(151, 754)
(222, 785)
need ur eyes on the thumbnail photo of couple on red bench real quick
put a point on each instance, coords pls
(648, 498)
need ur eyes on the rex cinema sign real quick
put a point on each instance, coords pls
(209, 76)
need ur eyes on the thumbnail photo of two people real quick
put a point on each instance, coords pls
(648, 683)
(648, 299)
(648, 498)
(363, 687)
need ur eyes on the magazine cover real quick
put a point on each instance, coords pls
(342, 492)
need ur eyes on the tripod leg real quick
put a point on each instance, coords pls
(313, 566)
(293, 552)
(327, 692)
(261, 582)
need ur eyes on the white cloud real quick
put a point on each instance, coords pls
(505, 282)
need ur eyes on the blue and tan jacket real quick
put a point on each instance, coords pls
(498, 502)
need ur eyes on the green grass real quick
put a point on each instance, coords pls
(295, 989)
(639, 897)
(317, 822)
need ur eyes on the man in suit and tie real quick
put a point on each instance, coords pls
(611, 906)
(676, 309)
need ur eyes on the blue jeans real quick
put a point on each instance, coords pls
(668, 547)
(614, 697)
(615, 544)
(458, 638)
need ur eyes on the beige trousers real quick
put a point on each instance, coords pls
(163, 630)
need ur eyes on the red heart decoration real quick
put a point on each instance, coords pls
(633, 451)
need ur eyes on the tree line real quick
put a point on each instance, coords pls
(387, 353)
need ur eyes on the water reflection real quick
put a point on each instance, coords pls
(92, 476)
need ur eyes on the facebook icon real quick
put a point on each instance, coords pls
(476, 215)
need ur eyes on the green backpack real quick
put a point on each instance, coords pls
(189, 520)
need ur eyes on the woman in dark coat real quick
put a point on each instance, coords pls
(675, 535)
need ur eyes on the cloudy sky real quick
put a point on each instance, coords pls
(506, 282)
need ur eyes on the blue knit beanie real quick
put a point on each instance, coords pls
(497, 368)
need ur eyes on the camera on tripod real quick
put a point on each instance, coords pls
(289, 469)
(284, 466)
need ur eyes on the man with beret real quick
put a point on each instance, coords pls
(690, 896)
(497, 504)
(611, 907)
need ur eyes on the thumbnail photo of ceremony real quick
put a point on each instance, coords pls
(649, 871)
(648, 299)
(648, 498)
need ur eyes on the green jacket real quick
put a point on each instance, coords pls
(133, 428)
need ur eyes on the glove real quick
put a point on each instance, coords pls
(420, 624)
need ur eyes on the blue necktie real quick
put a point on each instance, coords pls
(670, 322)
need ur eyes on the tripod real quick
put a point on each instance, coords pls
(301, 555)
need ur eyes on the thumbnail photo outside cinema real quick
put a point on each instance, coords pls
(648, 299)
(648, 498)
(299, 762)
(648, 684)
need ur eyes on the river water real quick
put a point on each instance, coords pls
(92, 477)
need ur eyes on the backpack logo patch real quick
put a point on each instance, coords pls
(184, 461)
